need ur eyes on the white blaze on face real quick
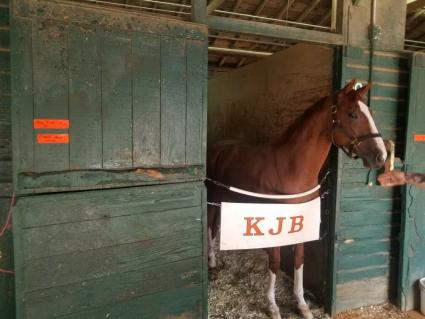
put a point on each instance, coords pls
(379, 142)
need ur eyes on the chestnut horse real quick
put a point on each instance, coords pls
(292, 165)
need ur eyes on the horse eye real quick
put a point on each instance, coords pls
(353, 115)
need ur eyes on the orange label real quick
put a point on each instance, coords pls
(52, 138)
(419, 137)
(47, 123)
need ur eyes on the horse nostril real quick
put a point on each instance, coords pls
(380, 159)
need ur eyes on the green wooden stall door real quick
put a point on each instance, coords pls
(412, 239)
(109, 150)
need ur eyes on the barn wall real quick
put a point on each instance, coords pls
(412, 249)
(7, 299)
(391, 18)
(257, 102)
(368, 218)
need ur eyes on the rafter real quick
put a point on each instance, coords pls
(307, 10)
(284, 9)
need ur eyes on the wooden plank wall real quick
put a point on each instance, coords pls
(368, 218)
(120, 253)
(7, 298)
(413, 221)
(132, 98)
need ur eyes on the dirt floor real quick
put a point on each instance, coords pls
(237, 286)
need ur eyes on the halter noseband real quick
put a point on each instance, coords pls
(354, 141)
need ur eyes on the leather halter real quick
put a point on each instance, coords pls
(354, 141)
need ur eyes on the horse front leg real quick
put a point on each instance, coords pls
(213, 222)
(274, 264)
(298, 282)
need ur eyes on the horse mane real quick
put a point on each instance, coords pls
(299, 122)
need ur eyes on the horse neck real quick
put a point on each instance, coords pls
(307, 148)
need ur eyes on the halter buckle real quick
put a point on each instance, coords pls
(333, 109)
(355, 142)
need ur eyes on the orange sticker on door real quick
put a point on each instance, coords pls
(53, 138)
(51, 124)
(419, 137)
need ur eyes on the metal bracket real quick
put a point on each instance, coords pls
(375, 32)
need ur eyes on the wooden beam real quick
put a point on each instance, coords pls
(260, 7)
(324, 18)
(307, 10)
(415, 5)
(214, 4)
(199, 11)
(284, 9)
(414, 16)
(275, 31)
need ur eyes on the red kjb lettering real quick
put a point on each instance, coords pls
(279, 226)
(253, 226)
(297, 224)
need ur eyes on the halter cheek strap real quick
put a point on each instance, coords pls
(350, 148)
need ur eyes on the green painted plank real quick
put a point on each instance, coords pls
(389, 105)
(117, 100)
(363, 274)
(116, 20)
(18, 263)
(73, 298)
(177, 303)
(368, 245)
(390, 91)
(146, 100)
(364, 218)
(22, 103)
(95, 179)
(378, 76)
(5, 81)
(173, 101)
(196, 74)
(369, 231)
(365, 192)
(372, 205)
(4, 37)
(85, 110)
(77, 267)
(388, 119)
(390, 62)
(50, 91)
(94, 234)
(5, 60)
(353, 262)
(7, 293)
(92, 205)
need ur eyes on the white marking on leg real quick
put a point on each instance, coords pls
(298, 286)
(373, 129)
(299, 293)
(273, 308)
(211, 253)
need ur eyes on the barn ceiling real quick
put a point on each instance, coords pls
(415, 25)
(229, 50)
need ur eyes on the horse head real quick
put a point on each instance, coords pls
(354, 130)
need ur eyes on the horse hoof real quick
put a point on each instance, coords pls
(305, 312)
(275, 315)
(274, 312)
(212, 263)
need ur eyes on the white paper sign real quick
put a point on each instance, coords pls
(248, 226)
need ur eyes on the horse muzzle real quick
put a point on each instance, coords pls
(375, 158)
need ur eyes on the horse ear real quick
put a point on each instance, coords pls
(362, 91)
(349, 87)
